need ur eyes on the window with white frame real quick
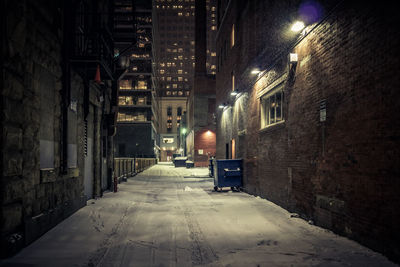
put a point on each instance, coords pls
(272, 107)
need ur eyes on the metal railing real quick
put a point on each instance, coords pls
(127, 167)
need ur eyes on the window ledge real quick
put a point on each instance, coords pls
(273, 127)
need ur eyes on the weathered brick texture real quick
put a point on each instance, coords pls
(341, 173)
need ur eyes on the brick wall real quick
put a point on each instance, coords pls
(341, 173)
(204, 140)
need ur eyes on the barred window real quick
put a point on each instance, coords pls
(272, 107)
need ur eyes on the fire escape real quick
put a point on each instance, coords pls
(94, 51)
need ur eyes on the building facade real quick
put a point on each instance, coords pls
(136, 133)
(312, 112)
(171, 111)
(201, 143)
(174, 60)
(57, 100)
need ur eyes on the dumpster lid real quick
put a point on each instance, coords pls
(237, 169)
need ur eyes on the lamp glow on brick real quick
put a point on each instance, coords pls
(297, 26)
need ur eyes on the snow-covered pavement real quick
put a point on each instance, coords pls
(170, 216)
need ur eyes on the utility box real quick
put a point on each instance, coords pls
(228, 173)
(211, 167)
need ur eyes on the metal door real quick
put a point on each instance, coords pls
(88, 169)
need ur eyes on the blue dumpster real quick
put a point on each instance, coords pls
(227, 173)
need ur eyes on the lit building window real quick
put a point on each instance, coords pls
(141, 101)
(168, 139)
(141, 85)
(233, 36)
(125, 85)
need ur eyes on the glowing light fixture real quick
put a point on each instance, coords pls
(255, 71)
(234, 93)
(297, 26)
(293, 58)
(183, 131)
(221, 106)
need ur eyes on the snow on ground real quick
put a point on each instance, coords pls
(169, 216)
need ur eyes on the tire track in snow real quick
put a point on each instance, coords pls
(97, 257)
(103, 250)
(202, 251)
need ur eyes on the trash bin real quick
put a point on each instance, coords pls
(180, 161)
(211, 167)
(227, 173)
(189, 164)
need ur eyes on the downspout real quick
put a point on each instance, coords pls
(66, 87)
(4, 51)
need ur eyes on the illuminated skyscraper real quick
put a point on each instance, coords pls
(174, 62)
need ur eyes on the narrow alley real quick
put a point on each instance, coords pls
(167, 216)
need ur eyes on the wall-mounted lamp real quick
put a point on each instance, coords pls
(293, 58)
(255, 71)
(234, 93)
(223, 106)
(297, 26)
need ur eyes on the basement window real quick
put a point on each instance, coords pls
(272, 107)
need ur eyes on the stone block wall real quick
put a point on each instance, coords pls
(36, 192)
(341, 172)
